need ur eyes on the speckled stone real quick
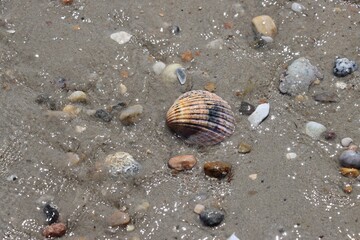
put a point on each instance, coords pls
(211, 217)
(121, 163)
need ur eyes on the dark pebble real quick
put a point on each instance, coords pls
(44, 99)
(329, 135)
(350, 159)
(344, 67)
(103, 115)
(119, 106)
(211, 217)
(246, 108)
(174, 29)
(217, 169)
(326, 97)
(61, 83)
(52, 215)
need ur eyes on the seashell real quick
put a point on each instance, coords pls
(201, 118)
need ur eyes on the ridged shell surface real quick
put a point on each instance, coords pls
(201, 118)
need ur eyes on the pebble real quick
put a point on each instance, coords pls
(181, 75)
(350, 172)
(199, 208)
(291, 155)
(341, 85)
(329, 135)
(131, 114)
(244, 148)
(347, 188)
(73, 159)
(78, 96)
(211, 217)
(118, 218)
(51, 213)
(260, 113)
(233, 237)
(265, 25)
(187, 56)
(12, 177)
(72, 110)
(345, 142)
(326, 97)
(314, 129)
(253, 176)
(298, 77)
(182, 162)
(344, 67)
(217, 169)
(210, 86)
(216, 44)
(169, 73)
(121, 163)
(350, 159)
(121, 37)
(122, 89)
(174, 29)
(130, 227)
(144, 206)
(297, 7)
(103, 115)
(246, 108)
(158, 67)
(54, 230)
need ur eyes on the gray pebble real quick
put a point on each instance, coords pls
(345, 142)
(246, 108)
(211, 217)
(326, 97)
(350, 159)
(314, 129)
(298, 77)
(181, 75)
(103, 115)
(344, 67)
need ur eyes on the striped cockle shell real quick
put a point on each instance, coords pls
(201, 118)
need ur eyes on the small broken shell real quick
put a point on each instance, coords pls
(350, 172)
(201, 118)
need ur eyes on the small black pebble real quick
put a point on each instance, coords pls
(46, 99)
(246, 108)
(52, 215)
(174, 29)
(329, 135)
(211, 217)
(103, 115)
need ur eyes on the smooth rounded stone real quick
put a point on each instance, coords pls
(246, 108)
(217, 169)
(72, 110)
(130, 227)
(265, 25)
(244, 148)
(341, 85)
(78, 96)
(199, 208)
(329, 135)
(314, 129)
(298, 77)
(158, 67)
(169, 73)
(297, 7)
(122, 89)
(121, 37)
(253, 176)
(350, 159)
(103, 115)
(344, 67)
(211, 217)
(182, 162)
(345, 142)
(51, 213)
(131, 114)
(118, 218)
(260, 113)
(291, 155)
(326, 97)
(12, 178)
(174, 29)
(54, 230)
(216, 44)
(350, 172)
(267, 39)
(121, 163)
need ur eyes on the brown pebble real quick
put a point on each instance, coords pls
(187, 56)
(54, 230)
(199, 208)
(265, 25)
(228, 25)
(244, 148)
(350, 172)
(217, 169)
(210, 86)
(118, 218)
(347, 188)
(326, 97)
(182, 162)
(67, 2)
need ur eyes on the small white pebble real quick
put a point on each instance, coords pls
(291, 155)
(297, 7)
(78, 96)
(158, 67)
(122, 89)
(199, 208)
(130, 227)
(253, 176)
(341, 85)
(79, 129)
(345, 142)
(121, 37)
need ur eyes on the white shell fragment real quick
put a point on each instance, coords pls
(233, 237)
(260, 113)
(314, 129)
(297, 7)
(181, 75)
(121, 37)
